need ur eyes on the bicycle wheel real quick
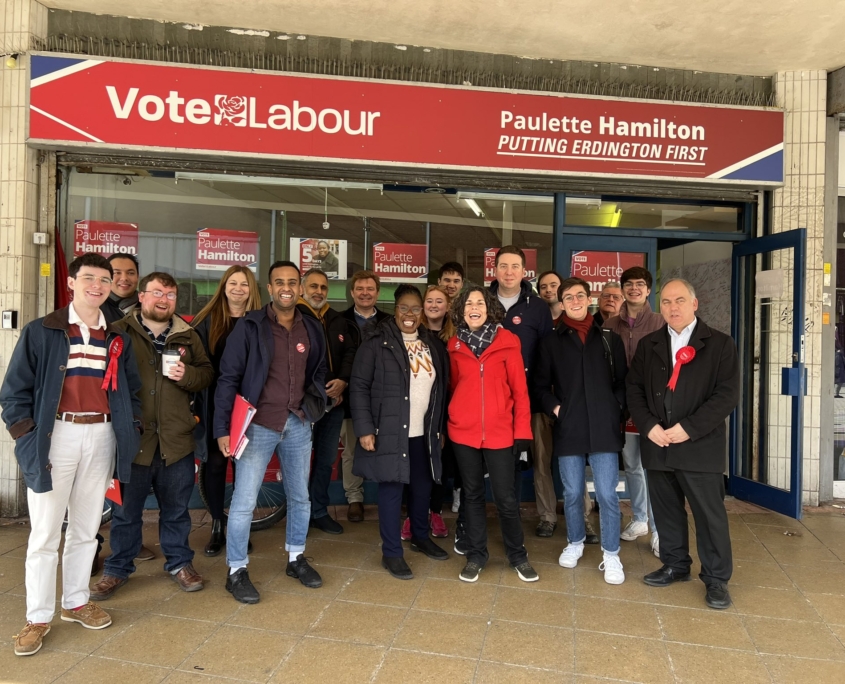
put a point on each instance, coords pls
(108, 511)
(271, 505)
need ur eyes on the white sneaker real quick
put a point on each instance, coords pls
(456, 500)
(570, 556)
(612, 566)
(633, 530)
(655, 544)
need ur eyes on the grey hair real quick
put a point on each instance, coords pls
(611, 283)
(686, 283)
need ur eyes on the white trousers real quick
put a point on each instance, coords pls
(82, 459)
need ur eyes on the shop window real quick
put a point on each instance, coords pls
(618, 213)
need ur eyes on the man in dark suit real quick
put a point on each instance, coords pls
(685, 449)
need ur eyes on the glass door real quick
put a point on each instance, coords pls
(767, 427)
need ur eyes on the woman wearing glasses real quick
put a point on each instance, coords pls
(579, 380)
(236, 294)
(397, 397)
(489, 424)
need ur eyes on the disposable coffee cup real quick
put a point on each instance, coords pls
(169, 359)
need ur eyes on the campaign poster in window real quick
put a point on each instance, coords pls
(396, 262)
(600, 268)
(490, 264)
(105, 238)
(326, 254)
(219, 248)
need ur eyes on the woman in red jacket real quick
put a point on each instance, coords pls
(489, 424)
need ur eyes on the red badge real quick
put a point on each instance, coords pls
(457, 345)
(300, 348)
(517, 320)
(115, 350)
(340, 337)
(684, 355)
(181, 351)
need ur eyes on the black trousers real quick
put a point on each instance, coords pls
(706, 495)
(390, 501)
(450, 470)
(500, 466)
(215, 480)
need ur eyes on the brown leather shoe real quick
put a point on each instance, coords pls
(188, 579)
(355, 513)
(29, 641)
(104, 589)
(144, 554)
(90, 616)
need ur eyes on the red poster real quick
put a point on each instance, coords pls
(105, 238)
(599, 268)
(218, 249)
(395, 262)
(326, 254)
(134, 106)
(490, 264)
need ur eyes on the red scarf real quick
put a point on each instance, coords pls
(581, 327)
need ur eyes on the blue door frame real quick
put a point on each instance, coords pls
(794, 381)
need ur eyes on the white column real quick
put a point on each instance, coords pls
(23, 25)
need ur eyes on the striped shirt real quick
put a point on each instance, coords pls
(86, 368)
(159, 341)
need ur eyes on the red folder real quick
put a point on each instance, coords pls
(115, 492)
(242, 414)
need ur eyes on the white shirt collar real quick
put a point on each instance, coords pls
(686, 332)
(73, 318)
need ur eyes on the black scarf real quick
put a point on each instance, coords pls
(479, 340)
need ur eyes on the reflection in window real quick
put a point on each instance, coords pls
(599, 212)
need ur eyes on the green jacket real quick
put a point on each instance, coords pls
(166, 405)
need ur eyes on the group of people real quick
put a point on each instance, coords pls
(461, 382)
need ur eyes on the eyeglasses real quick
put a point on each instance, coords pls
(416, 310)
(158, 294)
(90, 280)
(614, 297)
(631, 284)
(581, 296)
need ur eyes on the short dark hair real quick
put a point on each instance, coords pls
(282, 264)
(164, 278)
(89, 259)
(636, 273)
(131, 258)
(548, 273)
(452, 267)
(322, 242)
(570, 283)
(314, 271)
(495, 310)
(406, 288)
(510, 249)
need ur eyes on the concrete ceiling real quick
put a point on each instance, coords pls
(753, 37)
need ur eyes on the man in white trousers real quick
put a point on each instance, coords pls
(69, 400)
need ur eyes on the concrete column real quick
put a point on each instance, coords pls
(23, 26)
(801, 204)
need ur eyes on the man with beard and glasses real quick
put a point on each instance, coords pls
(165, 460)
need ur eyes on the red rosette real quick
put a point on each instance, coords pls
(115, 350)
(684, 355)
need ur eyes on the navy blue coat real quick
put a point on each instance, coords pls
(33, 386)
(246, 362)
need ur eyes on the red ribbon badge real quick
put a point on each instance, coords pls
(684, 355)
(115, 350)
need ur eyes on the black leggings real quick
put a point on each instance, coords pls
(215, 480)
(450, 469)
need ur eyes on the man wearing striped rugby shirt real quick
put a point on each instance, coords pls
(70, 401)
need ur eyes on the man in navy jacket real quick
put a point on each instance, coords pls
(275, 358)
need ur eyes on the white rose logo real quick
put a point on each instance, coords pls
(230, 109)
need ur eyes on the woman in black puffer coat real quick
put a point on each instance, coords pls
(397, 397)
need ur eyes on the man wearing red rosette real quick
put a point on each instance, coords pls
(682, 385)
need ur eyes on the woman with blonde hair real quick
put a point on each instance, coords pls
(236, 294)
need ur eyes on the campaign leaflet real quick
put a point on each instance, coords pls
(326, 254)
(218, 249)
(105, 238)
(396, 262)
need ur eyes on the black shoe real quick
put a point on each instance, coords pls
(470, 572)
(239, 586)
(429, 548)
(397, 567)
(526, 572)
(717, 596)
(218, 539)
(545, 528)
(461, 544)
(304, 573)
(665, 576)
(327, 525)
(591, 536)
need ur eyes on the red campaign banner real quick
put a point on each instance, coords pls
(157, 107)
(395, 262)
(218, 249)
(490, 264)
(105, 238)
(326, 254)
(599, 268)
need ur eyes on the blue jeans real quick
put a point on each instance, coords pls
(293, 447)
(605, 467)
(636, 477)
(172, 485)
(326, 441)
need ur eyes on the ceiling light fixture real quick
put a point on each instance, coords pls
(272, 180)
(505, 197)
(472, 204)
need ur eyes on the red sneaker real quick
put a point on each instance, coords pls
(438, 527)
(406, 530)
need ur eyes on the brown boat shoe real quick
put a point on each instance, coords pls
(104, 589)
(188, 579)
(90, 616)
(30, 639)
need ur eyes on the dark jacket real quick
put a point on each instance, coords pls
(341, 343)
(380, 400)
(530, 321)
(115, 308)
(577, 377)
(706, 394)
(250, 349)
(167, 405)
(645, 323)
(357, 338)
(33, 386)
